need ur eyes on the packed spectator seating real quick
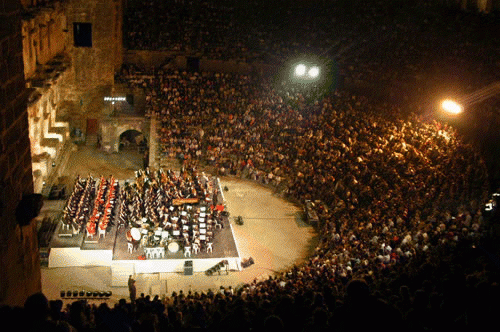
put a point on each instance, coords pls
(402, 44)
(404, 197)
(405, 240)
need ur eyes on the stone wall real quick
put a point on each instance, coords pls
(91, 76)
(46, 70)
(44, 34)
(96, 64)
(155, 59)
(48, 133)
(19, 259)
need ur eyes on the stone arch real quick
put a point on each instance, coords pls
(131, 139)
(113, 129)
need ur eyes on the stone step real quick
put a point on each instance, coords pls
(91, 140)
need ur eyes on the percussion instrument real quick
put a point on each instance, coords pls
(173, 247)
(135, 234)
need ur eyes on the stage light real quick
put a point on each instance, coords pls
(300, 70)
(313, 72)
(451, 107)
(306, 72)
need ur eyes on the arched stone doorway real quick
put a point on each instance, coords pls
(132, 140)
(114, 129)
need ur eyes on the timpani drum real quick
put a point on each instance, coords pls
(173, 247)
(135, 233)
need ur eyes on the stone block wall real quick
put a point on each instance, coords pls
(44, 35)
(93, 66)
(96, 64)
(19, 262)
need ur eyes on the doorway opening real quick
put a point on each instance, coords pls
(132, 140)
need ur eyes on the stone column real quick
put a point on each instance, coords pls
(154, 154)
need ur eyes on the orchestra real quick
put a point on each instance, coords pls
(156, 209)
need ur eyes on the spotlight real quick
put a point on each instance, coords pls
(300, 70)
(313, 72)
(452, 107)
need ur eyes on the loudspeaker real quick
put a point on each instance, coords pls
(188, 268)
(28, 208)
(130, 99)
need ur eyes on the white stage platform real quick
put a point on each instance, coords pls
(76, 257)
(74, 251)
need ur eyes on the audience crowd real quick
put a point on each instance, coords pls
(403, 44)
(404, 240)
(402, 196)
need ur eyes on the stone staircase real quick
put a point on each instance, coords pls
(91, 140)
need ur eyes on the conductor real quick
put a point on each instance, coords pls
(132, 289)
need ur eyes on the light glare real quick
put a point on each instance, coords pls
(451, 107)
(314, 72)
(300, 70)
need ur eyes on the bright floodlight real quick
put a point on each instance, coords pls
(314, 72)
(300, 70)
(452, 107)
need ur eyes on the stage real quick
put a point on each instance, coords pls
(67, 249)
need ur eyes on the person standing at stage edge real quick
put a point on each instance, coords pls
(145, 159)
(132, 289)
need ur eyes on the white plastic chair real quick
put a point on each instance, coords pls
(187, 251)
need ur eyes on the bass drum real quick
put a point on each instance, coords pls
(173, 247)
(136, 234)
